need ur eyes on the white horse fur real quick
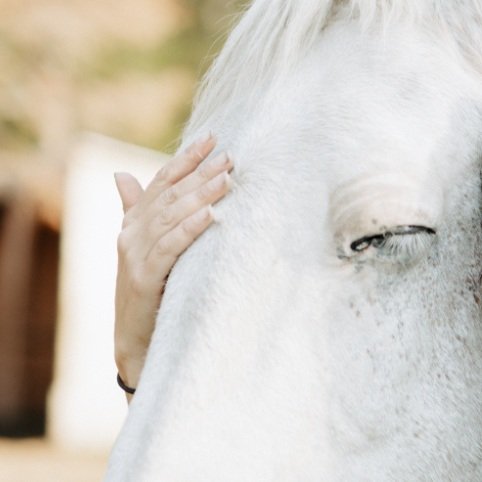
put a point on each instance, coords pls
(312, 334)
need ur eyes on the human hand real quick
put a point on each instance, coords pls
(159, 224)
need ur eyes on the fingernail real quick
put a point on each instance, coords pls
(205, 137)
(119, 174)
(230, 159)
(225, 180)
(221, 180)
(214, 216)
(221, 160)
(229, 180)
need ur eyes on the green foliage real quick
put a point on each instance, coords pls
(16, 133)
(39, 71)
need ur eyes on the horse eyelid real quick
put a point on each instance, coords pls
(377, 240)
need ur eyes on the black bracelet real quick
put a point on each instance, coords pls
(124, 387)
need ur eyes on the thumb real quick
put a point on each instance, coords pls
(129, 189)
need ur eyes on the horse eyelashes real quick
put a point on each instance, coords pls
(398, 244)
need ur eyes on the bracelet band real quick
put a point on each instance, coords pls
(124, 387)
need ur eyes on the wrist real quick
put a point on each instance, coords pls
(127, 389)
(129, 366)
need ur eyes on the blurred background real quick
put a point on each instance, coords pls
(87, 88)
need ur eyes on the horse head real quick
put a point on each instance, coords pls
(328, 325)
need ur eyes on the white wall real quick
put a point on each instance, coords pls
(86, 407)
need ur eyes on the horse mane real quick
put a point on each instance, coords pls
(273, 35)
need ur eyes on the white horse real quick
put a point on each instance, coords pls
(328, 326)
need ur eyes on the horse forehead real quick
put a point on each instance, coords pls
(347, 88)
(395, 107)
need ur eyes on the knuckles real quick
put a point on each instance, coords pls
(203, 172)
(193, 154)
(170, 195)
(165, 215)
(188, 229)
(163, 247)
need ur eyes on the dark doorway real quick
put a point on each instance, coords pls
(29, 262)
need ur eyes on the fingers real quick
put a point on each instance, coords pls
(167, 249)
(129, 189)
(179, 167)
(206, 171)
(144, 228)
(167, 216)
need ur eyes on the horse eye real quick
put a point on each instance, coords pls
(380, 240)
